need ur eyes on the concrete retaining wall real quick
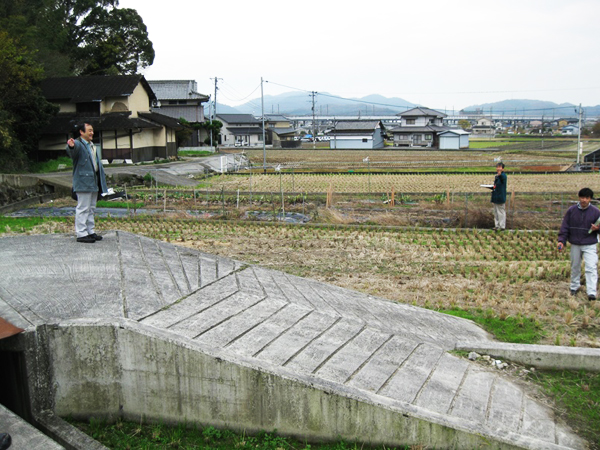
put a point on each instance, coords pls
(19, 181)
(124, 369)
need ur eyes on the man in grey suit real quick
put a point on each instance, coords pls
(88, 180)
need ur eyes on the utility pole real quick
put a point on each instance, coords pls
(314, 137)
(216, 88)
(262, 103)
(210, 121)
(214, 111)
(579, 145)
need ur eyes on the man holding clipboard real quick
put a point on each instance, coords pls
(499, 197)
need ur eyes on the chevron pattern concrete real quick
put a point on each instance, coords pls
(348, 339)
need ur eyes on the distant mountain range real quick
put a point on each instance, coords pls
(536, 107)
(295, 103)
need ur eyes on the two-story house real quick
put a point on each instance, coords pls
(241, 130)
(484, 127)
(119, 109)
(180, 99)
(419, 127)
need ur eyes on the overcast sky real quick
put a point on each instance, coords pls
(438, 53)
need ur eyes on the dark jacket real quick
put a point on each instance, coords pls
(499, 192)
(84, 177)
(576, 225)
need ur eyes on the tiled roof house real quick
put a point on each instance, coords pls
(119, 109)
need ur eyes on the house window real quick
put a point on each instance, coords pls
(172, 102)
(403, 137)
(88, 109)
(182, 102)
(410, 121)
(365, 140)
(427, 137)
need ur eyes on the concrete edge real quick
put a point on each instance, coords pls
(407, 410)
(62, 432)
(539, 356)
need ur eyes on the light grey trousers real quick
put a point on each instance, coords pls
(589, 254)
(84, 213)
(500, 215)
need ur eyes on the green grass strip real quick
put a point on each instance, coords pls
(578, 394)
(516, 330)
(24, 224)
(130, 435)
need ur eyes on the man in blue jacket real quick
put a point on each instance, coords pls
(88, 180)
(499, 198)
(580, 228)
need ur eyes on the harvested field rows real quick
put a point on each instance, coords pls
(430, 183)
(408, 159)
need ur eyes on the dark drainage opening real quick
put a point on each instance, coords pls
(14, 394)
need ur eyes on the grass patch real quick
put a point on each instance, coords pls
(578, 393)
(516, 330)
(195, 153)
(24, 224)
(487, 144)
(129, 435)
(109, 204)
(52, 165)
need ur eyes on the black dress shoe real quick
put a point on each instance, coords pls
(5, 441)
(86, 239)
(95, 236)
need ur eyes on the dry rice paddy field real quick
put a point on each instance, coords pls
(325, 159)
(403, 183)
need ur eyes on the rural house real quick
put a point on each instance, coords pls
(241, 130)
(180, 99)
(280, 132)
(357, 134)
(119, 109)
(484, 127)
(419, 127)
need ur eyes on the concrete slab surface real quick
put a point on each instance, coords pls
(23, 435)
(336, 357)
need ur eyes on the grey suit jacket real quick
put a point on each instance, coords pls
(84, 177)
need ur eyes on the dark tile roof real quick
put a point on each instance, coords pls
(282, 131)
(161, 119)
(421, 111)
(357, 126)
(425, 129)
(94, 88)
(242, 131)
(238, 118)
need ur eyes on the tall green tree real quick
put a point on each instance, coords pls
(23, 109)
(114, 41)
(79, 37)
